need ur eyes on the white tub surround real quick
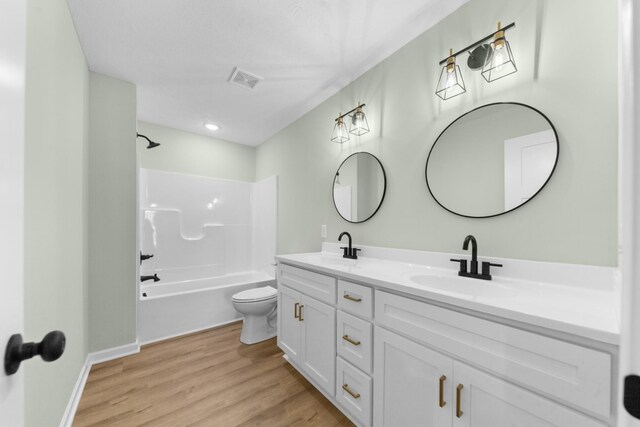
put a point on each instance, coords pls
(210, 239)
(397, 337)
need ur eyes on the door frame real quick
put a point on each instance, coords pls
(13, 50)
(628, 196)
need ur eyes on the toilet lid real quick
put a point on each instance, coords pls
(256, 294)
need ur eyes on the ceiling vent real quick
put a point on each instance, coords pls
(244, 78)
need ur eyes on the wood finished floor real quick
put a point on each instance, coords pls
(204, 379)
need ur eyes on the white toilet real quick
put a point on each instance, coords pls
(258, 306)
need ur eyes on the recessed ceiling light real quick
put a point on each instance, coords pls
(211, 126)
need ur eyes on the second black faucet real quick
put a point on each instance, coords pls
(349, 252)
(486, 265)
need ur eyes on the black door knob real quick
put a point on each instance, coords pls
(50, 348)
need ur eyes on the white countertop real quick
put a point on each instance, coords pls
(574, 299)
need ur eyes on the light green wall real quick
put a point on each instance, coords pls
(572, 220)
(112, 213)
(186, 152)
(55, 206)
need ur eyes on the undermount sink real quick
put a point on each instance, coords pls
(463, 285)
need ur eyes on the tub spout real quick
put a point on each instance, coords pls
(154, 277)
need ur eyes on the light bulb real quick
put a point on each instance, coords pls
(356, 120)
(498, 57)
(451, 80)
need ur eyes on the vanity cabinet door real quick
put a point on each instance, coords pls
(289, 326)
(318, 352)
(408, 381)
(486, 401)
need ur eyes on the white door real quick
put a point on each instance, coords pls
(12, 98)
(528, 162)
(408, 382)
(342, 199)
(319, 342)
(486, 401)
(289, 326)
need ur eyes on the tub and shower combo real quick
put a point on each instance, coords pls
(210, 239)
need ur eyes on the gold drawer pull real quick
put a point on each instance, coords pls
(355, 394)
(458, 393)
(350, 298)
(295, 310)
(300, 313)
(351, 340)
(442, 403)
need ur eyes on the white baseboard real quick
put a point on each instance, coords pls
(76, 394)
(92, 359)
(191, 331)
(113, 353)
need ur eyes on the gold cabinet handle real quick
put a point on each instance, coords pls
(350, 298)
(295, 310)
(458, 393)
(351, 340)
(442, 403)
(300, 313)
(355, 394)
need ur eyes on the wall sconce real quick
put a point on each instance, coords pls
(494, 59)
(450, 83)
(500, 63)
(358, 125)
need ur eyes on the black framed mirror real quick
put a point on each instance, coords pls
(492, 160)
(359, 186)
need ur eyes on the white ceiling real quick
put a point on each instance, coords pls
(181, 53)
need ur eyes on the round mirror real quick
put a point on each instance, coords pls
(492, 160)
(358, 187)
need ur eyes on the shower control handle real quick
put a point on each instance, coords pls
(145, 257)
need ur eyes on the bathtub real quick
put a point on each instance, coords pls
(172, 308)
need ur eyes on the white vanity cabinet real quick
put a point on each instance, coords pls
(487, 401)
(413, 384)
(387, 359)
(307, 327)
(289, 326)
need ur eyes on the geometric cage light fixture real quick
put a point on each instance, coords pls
(358, 125)
(494, 60)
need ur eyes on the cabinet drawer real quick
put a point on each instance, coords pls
(353, 391)
(566, 371)
(356, 299)
(318, 286)
(354, 338)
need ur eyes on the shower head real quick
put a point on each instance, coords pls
(151, 143)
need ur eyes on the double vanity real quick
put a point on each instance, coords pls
(397, 338)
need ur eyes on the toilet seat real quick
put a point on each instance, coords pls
(255, 295)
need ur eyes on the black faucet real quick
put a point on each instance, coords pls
(486, 265)
(349, 252)
(154, 277)
(474, 252)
